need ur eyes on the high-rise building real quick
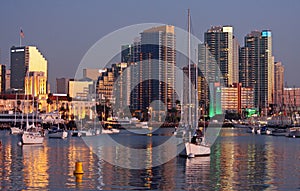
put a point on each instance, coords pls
(257, 67)
(155, 67)
(122, 86)
(26, 59)
(278, 83)
(131, 54)
(235, 60)
(105, 84)
(224, 48)
(2, 78)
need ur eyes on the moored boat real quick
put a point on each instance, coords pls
(16, 131)
(293, 132)
(32, 135)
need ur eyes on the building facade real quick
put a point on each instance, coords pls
(278, 84)
(236, 98)
(158, 67)
(62, 85)
(2, 78)
(257, 67)
(221, 44)
(26, 59)
(7, 79)
(92, 73)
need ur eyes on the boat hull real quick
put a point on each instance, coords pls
(32, 138)
(58, 135)
(197, 150)
(16, 131)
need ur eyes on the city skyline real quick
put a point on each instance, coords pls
(64, 31)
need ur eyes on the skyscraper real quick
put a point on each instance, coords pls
(257, 66)
(158, 63)
(26, 59)
(278, 83)
(221, 44)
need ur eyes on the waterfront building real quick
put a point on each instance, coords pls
(158, 64)
(151, 59)
(62, 85)
(36, 84)
(122, 86)
(7, 79)
(2, 78)
(215, 105)
(26, 59)
(257, 67)
(224, 48)
(80, 89)
(278, 83)
(105, 84)
(131, 54)
(235, 60)
(291, 100)
(185, 92)
(236, 98)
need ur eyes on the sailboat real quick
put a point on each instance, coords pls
(14, 129)
(57, 132)
(193, 146)
(31, 134)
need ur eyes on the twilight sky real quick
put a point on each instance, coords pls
(65, 30)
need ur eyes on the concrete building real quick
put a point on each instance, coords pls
(62, 85)
(105, 84)
(158, 64)
(26, 59)
(278, 83)
(80, 90)
(91, 73)
(257, 67)
(7, 79)
(236, 98)
(36, 84)
(221, 45)
(291, 100)
(2, 78)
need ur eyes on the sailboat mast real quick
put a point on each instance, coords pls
(189, 65)
(196, 90)
(27, 97)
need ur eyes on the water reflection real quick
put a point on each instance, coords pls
(239, 161)
(35, 161)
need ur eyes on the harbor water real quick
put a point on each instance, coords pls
(239, 161)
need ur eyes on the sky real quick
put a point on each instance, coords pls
(65, 30)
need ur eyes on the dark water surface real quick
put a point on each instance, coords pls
(239, 161)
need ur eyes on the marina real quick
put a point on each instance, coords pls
(238, 161)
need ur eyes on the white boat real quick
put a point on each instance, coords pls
(32, 135)
(16, 131)
(57, 131)
(293, 132)
(143, 125)
(193, 150)
(75, 133)
(196, 146)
